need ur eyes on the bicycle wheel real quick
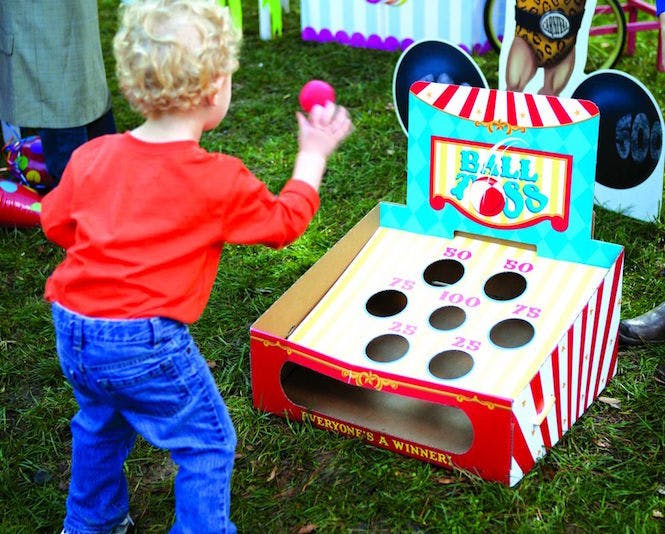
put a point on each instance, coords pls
(607, 36)
(493, 21)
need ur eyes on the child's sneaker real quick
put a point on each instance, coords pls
(120, 529)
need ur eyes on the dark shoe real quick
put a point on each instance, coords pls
(647, 328)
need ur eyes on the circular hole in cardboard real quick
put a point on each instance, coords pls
(512, 333)
(386, 303)
(447, 318)
(451, 364)
(387, 348)
(505, 286)
(443, 273)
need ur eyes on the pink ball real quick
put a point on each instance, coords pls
(315, 92)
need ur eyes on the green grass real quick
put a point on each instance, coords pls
(607, 474)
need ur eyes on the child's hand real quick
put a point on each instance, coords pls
(324, 130)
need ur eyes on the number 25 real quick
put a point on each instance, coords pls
(468, 344)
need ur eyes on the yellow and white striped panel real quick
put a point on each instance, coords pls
(556, 292)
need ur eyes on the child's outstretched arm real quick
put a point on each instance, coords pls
(319, 135)
(259, 216)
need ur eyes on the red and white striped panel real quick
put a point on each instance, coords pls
(571, 378)
(516, 109)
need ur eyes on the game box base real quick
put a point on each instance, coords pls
(492, 409)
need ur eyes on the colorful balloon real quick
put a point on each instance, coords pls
(19, 205)
(25, 160)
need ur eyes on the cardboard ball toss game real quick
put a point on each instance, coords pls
(471, 327)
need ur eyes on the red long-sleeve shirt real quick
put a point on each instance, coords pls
(144, 224)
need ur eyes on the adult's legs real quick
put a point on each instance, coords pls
(59, 143)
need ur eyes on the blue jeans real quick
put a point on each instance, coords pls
(147, 377)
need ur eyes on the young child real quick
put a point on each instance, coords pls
(143, 217)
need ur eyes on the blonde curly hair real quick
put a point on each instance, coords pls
(170, 52)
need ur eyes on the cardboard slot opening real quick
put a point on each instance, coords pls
(433, 425)
(496, 240)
